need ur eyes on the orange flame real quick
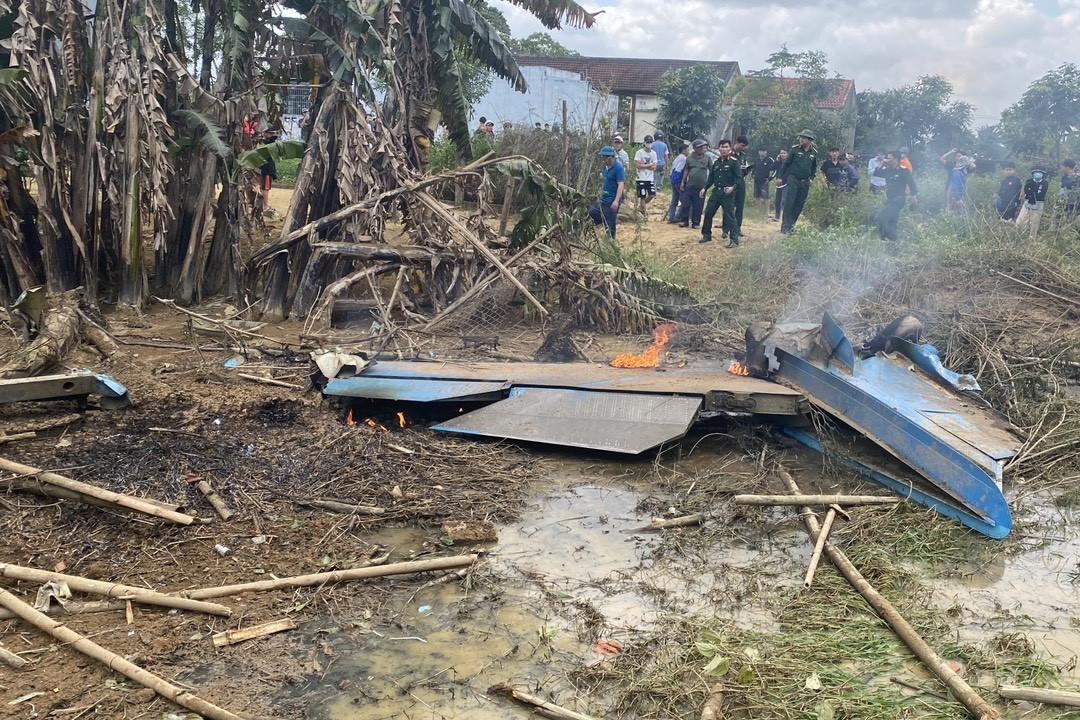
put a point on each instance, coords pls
(737, 368)
(349, 419)
(401, 419)
(378, 426)
(650, 357)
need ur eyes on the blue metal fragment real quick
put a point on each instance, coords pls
(413, 389)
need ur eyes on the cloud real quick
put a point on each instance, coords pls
(991, 50)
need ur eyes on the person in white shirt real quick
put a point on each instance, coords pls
(677, 168)
(620, 154)
(877, 183)
(645, 162)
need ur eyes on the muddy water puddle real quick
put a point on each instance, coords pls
(568, 575)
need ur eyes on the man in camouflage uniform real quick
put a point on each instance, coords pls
(799, 169)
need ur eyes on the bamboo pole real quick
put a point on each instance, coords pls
(344, 507)
(661, 524)
(975, 704)
(72, 607)
(823, 533)
(1039, 695)
(363, 573)
(540, 705)
(11, 659)
(140, 595)
(232, 637)
(111, 660)
(815, 500)
(125, 501)
(214, 499)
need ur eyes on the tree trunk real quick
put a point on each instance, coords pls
(132, 272)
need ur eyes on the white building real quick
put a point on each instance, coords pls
(586, 106)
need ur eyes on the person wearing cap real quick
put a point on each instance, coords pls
(724, 175)
(661, 149)
(798, 171)
(677, 167)
(622, 155)
(606, 209)
(898, 182)
(1034, 197)
(956, 191)
(738, 151)
(692, 189)
(645, 163)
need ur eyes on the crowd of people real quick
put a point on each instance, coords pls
(706, 181)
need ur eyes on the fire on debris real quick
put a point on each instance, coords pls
(650, 357)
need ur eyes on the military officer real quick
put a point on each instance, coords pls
(724, 177)
(799, 169)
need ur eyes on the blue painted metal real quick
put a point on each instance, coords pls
(996, 529)
(413, 389)
(915, 416)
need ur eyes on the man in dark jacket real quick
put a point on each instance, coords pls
(1031, 212)
(695, 178)
(797, 172)
(1007, 200)
(762, 172)
(898, 181)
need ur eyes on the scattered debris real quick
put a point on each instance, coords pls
(542, 707)
(663, 524)
(214, 499)
(470, 532)
(231, 637)
(340, 506)
(78, 385)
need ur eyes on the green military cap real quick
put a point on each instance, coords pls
(807, 134)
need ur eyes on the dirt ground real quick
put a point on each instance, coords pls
(266, 450)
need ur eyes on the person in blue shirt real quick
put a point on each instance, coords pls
(661, 149)
(606, 210)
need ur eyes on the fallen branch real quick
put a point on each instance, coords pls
(270, 381)
(73, 607)
(819, 546)
(661, 524)
(1039, 695)
(140, 595)
(12, 660)
(5, 438)
(344, 507)
(814, 500)
(111, 660)
(714, 703)
(211, 495)
(978, 707)
(50, 480)
(334, 576)
(215, 321)
(232, 637)
(541, 706)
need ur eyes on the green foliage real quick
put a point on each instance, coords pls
(281, 150)
(541, 43)
(774, 126)
(808, 64)
(921, 116)
(1048, 114)
(287, 169)
(690, 100)
(204, 129)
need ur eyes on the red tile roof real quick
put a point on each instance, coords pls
(623, 75)
(841, 89)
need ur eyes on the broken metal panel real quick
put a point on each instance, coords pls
(996, 524)
(721, 389)
(412, 389)
(628, 423)
(71, 385)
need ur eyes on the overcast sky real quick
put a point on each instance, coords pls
(990, 50)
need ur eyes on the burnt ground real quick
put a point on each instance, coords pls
(266, 450)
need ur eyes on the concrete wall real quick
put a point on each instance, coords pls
(542, 103)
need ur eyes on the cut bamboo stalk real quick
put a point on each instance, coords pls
(113, 590)
(125, 501)
(334, 576)
(111, 660)
(231, 637)
(215, 500)
(346, 508)
(661, 524)
(714, 703)
(980, 708)
(72, 607)
(1039, 695)
(270, 381)
(823, 534)
(815, 500)
(540, 705)
(35, 485)
(17, 436)
(11, 659)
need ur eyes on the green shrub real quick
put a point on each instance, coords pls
(287, 169)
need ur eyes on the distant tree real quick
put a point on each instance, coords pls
(990, 142)
(922, 116)
(1048, 114)
(690, 100)
(808, 64)
(541, 43)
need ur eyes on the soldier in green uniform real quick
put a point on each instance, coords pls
(799, 169)
(738, 151)
(724, 176)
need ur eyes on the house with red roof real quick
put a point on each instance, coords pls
(831, 95)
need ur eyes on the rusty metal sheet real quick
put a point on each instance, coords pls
(628, 423)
